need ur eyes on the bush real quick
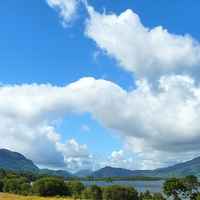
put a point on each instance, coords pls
(49, 186)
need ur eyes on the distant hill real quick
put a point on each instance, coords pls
(17, 162)
(177, 170)
(180, 169)
(117, 172)
(83, 173)
(61, 173)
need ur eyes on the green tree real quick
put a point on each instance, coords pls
(120, 193)
(191, 185)
(75, 188)
(174, 187)
(158, 196)
(94, 192)
(147, 195)
(12, 186)
(141, 196)
(186, 187)
(49, 186)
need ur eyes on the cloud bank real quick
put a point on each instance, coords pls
(147, 53)
(152, 124)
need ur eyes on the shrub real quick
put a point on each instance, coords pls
(49, 186)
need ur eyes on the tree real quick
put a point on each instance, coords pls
(17, 186)
(75, 188)
(191, 185)
(94, 192)
(147, 195)
(173, 187)
(49, 186)
(186, 187)
(158, 196)
(120, 193)
(12, 186)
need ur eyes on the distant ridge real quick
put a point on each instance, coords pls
(15, 161)
(177, 170)
(181, 169)
(83, 173)
(117, 172)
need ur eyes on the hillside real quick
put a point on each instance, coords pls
(17, 162)
(180, 169)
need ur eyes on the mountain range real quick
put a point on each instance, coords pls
(17, 162)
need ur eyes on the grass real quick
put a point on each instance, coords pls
(7, 196)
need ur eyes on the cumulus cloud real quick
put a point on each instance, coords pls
(164, 123)
(118, 159)
(67, 10)
(147, 53)
(75, 155)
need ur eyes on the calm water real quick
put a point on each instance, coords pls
(140, 186)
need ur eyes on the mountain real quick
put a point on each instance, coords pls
(61, 173)
(119, 172)
(83, 173)
(17, 162)
(178, 170)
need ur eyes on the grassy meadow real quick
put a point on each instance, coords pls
(7, 196)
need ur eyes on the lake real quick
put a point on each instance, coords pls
(140, 186)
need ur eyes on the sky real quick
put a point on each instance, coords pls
(86, 84)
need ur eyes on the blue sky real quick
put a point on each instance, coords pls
(86, 84)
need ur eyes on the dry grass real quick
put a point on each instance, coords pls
(7, 196)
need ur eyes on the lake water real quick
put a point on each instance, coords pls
(140, 186)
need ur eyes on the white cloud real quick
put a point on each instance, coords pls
(147, 53)
(85, 128)
(151, 123)
(67, 10)
(76, 156)
(118, 159)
